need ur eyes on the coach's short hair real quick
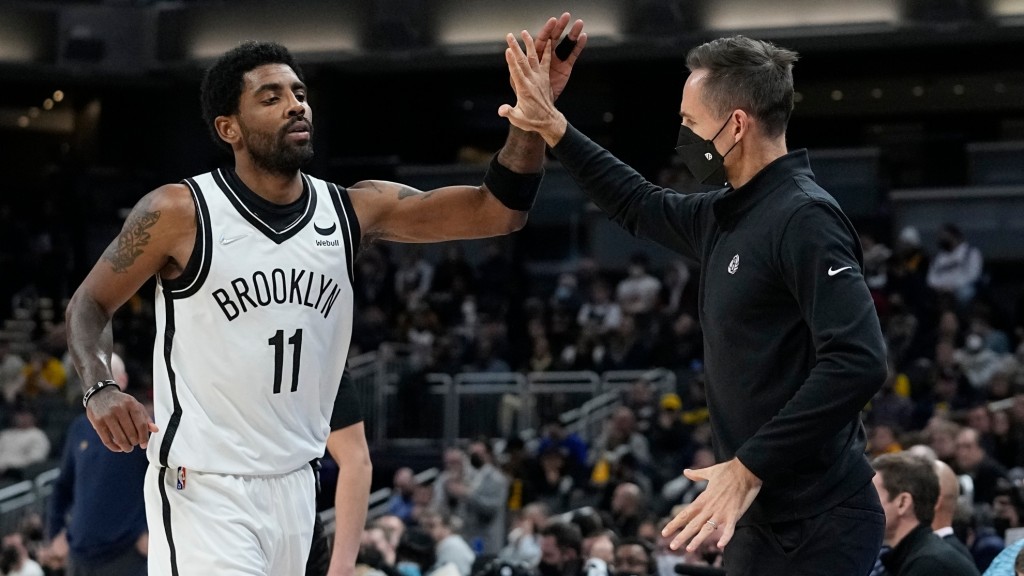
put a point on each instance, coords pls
(747, 74)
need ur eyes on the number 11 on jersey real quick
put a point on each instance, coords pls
(277, 341)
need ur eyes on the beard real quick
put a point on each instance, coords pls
(274, 153)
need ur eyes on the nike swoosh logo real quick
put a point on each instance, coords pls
(324, 231)
(225, 240)
(832, 272)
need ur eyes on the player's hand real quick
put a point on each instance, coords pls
(120, 420)
(570, 47)
(535, 103)
(730, 491)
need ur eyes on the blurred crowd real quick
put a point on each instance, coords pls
(562, 504)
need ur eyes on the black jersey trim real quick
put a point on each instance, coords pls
(198, 266)
(166, 507)
(246, 212)
(343, 206)
(172, 424)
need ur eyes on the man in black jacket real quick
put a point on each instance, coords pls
(909, 488)
(793, 348)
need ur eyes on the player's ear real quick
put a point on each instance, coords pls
(227, 129)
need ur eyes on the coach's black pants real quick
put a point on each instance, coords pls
(843, 541)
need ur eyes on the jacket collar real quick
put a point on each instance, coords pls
(894, 559)
(735, 201)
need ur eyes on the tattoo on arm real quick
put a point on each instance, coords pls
(127, 247)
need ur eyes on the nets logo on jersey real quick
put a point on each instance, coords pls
(182, 473)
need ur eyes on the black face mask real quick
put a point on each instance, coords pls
(546, 569)
(476, 461)
(701, 157)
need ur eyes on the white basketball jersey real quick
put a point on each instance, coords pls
(252, 339)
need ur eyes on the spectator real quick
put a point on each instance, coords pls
(14, 558)
(416, 554)
(882, 439)
(600, 312)
(97, 514)
(413, 277)
(449, 546)
(554, 433)
(957, 266)
(22, 445)
(486, 358)
(1007, 507)
(550, 480)
(908, 271)
(1006, 440)
(637, 293)
(628, 346)
(978, 363)
(560, 553)
(634, 557)
(524, 539)
(1009, 562)
(455, 471)
(619, 437)
(908, 489)
(44, 375)
(627, 510)
(376, 551)
(876, 262)
(669, 439)
(483, 500)
(981, 324)
(972, 460)
(674, 288)
(12, 373)
(403, 485)
(891, 407)
(393, 526)
(945, 507)
(452, 270)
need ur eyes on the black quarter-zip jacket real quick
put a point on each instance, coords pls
(793, 349)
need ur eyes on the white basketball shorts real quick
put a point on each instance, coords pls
(212, 524)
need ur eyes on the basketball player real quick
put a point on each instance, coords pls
(254, 272)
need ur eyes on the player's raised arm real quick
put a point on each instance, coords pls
(499, 205)
(156, 238)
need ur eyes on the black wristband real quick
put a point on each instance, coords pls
(96, 388)
(516, 191)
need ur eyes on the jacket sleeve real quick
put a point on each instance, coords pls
(820, 262)
(640, 207)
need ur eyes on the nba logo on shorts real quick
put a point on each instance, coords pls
(181, 477)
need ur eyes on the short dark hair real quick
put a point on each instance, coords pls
(566, 535)
(905, 472)
(223, 82)
(1018, 563)
(752, 75)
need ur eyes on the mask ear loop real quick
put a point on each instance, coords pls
(716, 137)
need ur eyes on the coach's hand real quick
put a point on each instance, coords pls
(730, 491)
(120, 420)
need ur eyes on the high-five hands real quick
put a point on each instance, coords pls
(566, 51)
(538, 77)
